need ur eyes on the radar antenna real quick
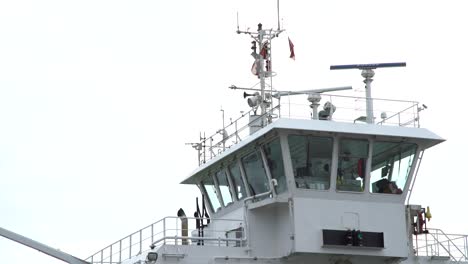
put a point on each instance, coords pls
(368, 73)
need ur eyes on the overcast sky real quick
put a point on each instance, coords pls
(98, 98)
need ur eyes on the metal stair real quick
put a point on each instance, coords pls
(441, 246)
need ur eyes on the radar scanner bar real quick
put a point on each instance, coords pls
(368, 73)
(369, 66)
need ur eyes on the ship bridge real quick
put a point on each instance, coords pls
(319, 187)
(280, 187)
(289, 182)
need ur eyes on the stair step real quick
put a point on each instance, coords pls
(441, 258)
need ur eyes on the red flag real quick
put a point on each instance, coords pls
(291, 49)
(264, 51)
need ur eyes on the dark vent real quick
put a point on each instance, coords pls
(353, 238)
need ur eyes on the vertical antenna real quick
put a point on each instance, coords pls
(261, 34)
(238, 31)
(222, 110)
(223, 131)
(277, 7)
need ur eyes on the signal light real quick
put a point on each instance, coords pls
(359, 238)
(268, 65)
(354, 238)
(349, 238)
(254, 46)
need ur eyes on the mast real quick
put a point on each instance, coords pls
(261, 73)
(261, 52)
(367, 71)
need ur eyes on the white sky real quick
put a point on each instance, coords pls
(97, 99)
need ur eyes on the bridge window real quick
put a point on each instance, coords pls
(391, 165)
(223, 184)
(255, 173)
(352, 162)
(275, 163)
(210, 188)
(311, 159)
(237, 181)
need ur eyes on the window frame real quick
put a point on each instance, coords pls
(411, 174)
(210, 204)
(337, 153)
(332, 158)
(223, 170)
(258, 151)
(267, 167)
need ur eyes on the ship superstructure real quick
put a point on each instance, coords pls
(330, 186)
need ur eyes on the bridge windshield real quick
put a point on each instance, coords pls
(391, 165)
(311, 158)
(237, 181)
(223, 184)
(352, 162)
(246, 176)
(210, 189)
(389, 168)
(257, 180)
(274, 158)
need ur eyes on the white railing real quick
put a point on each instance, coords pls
(237, 130)
(352, 109)
(169, 231)
(348, 109)
(437, 243)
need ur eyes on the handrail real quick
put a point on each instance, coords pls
(451, 241)
(348, 109)
(208, 152)
(219, 239)
(432, 245)
(165, 231)
(398, 114)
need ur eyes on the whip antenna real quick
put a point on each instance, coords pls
(277, 8)
(238, 31)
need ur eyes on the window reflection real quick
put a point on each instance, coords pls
(237, 181)
(311, 160)
(391, 165)
(275, 163)
(352, 165)
(210, 188)
(223, 185)
(257, 180)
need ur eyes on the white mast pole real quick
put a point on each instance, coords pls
(261, 33)
(368, 74)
